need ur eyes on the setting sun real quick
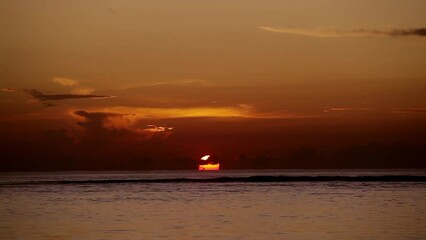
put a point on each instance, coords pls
(209, 166)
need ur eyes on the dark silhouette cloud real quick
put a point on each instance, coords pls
(49, 104)
(54, 97)
(94, 123)
(421, 32)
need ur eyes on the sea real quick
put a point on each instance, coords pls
(225, 204)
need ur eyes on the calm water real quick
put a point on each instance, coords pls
(40, 206)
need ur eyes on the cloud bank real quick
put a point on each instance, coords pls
(335, 33)
(108, 126)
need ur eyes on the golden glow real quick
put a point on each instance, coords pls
(205, 158)
(208, 167)
(181, 112)
(128, 116)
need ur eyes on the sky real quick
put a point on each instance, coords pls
(93, 85)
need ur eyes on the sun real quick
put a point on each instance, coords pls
(210, 166)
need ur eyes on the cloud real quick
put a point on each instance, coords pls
(236, 111)
(330, 109)
(185, 81)
(105, 126)
(68, 82)
(81, 91)
(420, 32)
(174, 82)
(124, 123)
(54, 97)
(188, 112)
(9, 90)
(129, 124)
(155, 128)
(94, 122)
(334, 33)
(408, 110)
(96, 129)
(49, 104)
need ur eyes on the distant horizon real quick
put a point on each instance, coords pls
(369, 156)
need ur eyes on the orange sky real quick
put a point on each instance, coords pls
(212, 74)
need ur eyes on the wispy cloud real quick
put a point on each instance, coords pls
(155, 128)
(152, 130)
(174, 82)
(68, 82)
(78, 90)
(331, 109)
(185, 81)
(9, 90)
(334, 33)
(53, 97)
(49, 104)
(83, 91)
(409, 110)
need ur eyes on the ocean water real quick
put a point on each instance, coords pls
(262, 204)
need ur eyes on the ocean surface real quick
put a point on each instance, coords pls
(226, 204)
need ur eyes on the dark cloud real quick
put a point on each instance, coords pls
(54, 97)
(49, 104)
(420, 32)
(94, 122)
(333, 33)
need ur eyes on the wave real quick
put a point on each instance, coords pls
(250, 179)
